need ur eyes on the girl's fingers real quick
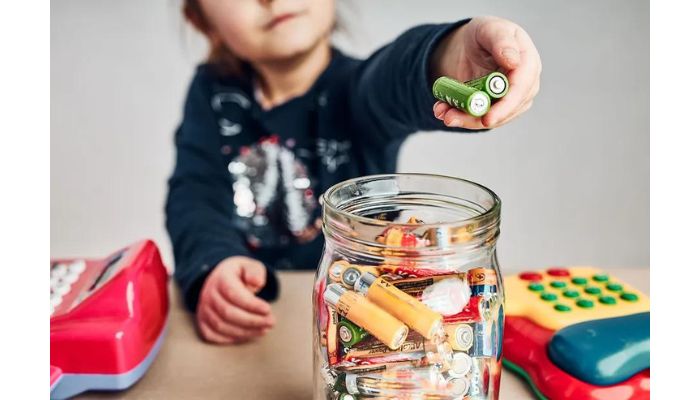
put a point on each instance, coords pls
(254, 274)
(439, 109)
(223, 328)
(210, 335)
(234, 292)
(238, 316)
(455, 118)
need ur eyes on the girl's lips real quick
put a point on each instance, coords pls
(280, 19)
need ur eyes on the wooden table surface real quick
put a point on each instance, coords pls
(277, 366)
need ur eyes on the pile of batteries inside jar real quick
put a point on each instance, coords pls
(406, 332)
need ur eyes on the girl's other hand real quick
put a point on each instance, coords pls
(483, 45)
(228, 310)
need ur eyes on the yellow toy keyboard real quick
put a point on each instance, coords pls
(560, 297)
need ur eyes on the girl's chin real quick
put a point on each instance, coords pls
(289, 47)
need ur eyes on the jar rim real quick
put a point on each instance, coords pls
(493, 210)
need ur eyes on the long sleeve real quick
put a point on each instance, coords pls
(199, 209)
(391, 95)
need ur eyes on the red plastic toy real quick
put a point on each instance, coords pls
(108, 319)
(525, 345)
(577, 333)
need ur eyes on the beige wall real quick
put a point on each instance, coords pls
(573, 173)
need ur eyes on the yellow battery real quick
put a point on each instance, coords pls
(399, 304)
(367, 315)
(460, 336)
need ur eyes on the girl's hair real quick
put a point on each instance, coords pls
(224, 61)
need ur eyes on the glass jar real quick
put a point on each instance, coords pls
(408, 297)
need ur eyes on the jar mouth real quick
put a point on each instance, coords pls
(357, 209)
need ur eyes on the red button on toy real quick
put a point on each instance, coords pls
(558, 272)
(530, 276)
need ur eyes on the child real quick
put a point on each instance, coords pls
(277, 115)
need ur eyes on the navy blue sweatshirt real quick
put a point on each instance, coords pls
(247, 180)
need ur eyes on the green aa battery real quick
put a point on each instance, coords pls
(495, 84)
(459, 95)
(350, 333)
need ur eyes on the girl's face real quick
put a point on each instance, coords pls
(265, 31)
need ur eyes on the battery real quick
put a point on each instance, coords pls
(336, 269)
(350, 273)
(458, 387)
(350, 276)
(495, 84)
(460, 336)
(482, 276)
(459, 95)
(350, 333)
(460, 366)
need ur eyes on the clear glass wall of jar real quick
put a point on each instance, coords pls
(408, 298)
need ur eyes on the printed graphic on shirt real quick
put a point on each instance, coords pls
(333, 153)
(226, 126)
(273, 196)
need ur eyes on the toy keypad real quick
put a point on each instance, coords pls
(559, 297)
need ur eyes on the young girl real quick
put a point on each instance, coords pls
(277, 115)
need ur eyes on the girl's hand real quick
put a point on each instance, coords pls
(483, 45)
(228, 310)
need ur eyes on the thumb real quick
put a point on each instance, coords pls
(498, 38)
(254, 275)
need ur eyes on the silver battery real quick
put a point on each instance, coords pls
(460, 366)
(350, 276)
(457, 387)
(335, 270)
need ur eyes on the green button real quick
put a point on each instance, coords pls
(607, 300)
(629, 296)
(615, 287)
(592, 290)
(571, 293)
(548, 296)
(579, 280)
(536, 287)
(583, 303)
(557, 284)
(600, 278)
(562, 307)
